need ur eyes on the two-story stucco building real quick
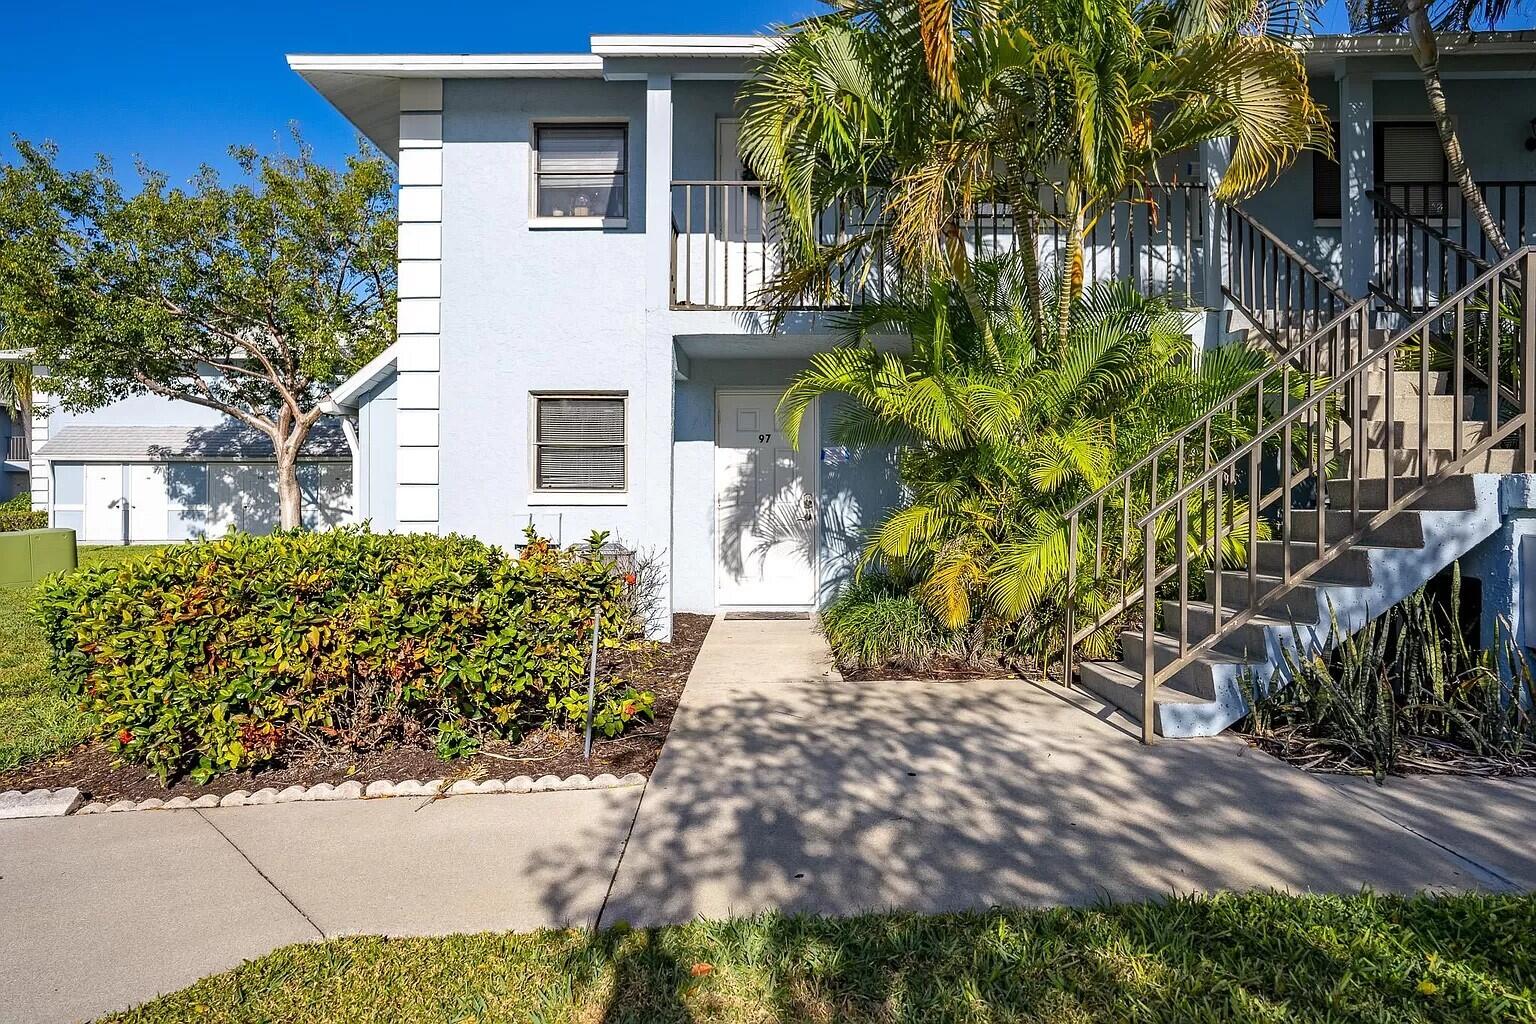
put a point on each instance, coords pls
(580, 246)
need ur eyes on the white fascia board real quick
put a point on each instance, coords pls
(1523, 42)
(451, 65)
(683, 46)
(379, 368)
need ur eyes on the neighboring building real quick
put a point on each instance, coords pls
(580, 245)
(151, 470)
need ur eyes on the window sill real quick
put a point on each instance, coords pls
(544, 498)
(578, 223)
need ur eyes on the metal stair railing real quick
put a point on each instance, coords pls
(1416, 261)
(1106, 518)
(1493, 312)
(1275, 288)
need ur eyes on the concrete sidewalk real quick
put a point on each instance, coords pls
(103, 911)
(780, 786)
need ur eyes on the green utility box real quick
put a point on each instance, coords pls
(26, 556)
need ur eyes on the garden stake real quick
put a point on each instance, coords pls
(592, 683)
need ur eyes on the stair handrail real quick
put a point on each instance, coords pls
(1314, 415)
(1382, 288)
(1425, 226)
(1241, 284)
(1303, 358)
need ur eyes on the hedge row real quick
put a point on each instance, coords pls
(221, 655)
(16, 514)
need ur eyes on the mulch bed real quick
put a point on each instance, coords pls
(939, 668)
(660, 668)
(1419, 756)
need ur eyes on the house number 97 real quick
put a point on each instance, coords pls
(764, 438)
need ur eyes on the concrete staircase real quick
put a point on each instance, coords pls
(1391, 561)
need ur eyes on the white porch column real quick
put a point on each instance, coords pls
(39, 434)
(658, 192)
(1357, 169)
(656, 420)
(1215, 156)
(420, 286)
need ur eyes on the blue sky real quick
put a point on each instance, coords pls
(177, 86)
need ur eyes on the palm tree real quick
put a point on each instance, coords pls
(1003, 428)
(935, 105)
(1422, 19)
(16, 389)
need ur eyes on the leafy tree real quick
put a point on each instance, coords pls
(935, 105)
(1422, 20)
(253, 298)
(1003, 428)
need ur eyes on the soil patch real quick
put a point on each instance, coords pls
(661, 668)
(1418, 756)
(938, 668)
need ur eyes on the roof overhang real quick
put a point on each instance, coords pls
(365, 88)
(1324, 52)
(379, 369)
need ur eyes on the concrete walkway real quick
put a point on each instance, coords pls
(780, 786)
(107, 910)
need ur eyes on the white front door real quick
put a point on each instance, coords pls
(765, 505)
(104, 499)
(151, 508)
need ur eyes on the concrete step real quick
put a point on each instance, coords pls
(1451, 494)
(1246, 641)
(1441, 408)
(1405, 433)
(1351, 567)
(1404, 530)
(1405, 384)
(1194, 678)
(1406, 461)
(1301, 604)
(1115, 684)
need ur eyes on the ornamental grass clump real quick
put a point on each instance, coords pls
(228, 654)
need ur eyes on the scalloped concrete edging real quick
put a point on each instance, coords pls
(37, 800)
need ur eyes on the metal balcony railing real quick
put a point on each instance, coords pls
(19, 449)
(727, 243)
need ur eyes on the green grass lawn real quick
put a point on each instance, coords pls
(35, 717)
(1260, 957)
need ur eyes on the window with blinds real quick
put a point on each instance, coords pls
(579, 170)
(579, 443)
(1410, 164)
(1410, 171)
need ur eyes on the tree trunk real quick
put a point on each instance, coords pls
(1071, 273)
(290, 505)
(287, 441)
(1426, 53)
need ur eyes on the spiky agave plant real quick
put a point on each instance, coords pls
(1005, 422)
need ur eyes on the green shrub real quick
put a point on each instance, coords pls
(16, 514)
(222, 655)
(876, 621)
(1406, 685)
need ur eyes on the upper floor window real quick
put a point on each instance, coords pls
(1410, 171)
(580, 172)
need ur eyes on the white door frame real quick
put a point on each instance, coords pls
(811, 425)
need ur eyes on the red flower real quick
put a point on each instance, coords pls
(631, 579)
(125, 737)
